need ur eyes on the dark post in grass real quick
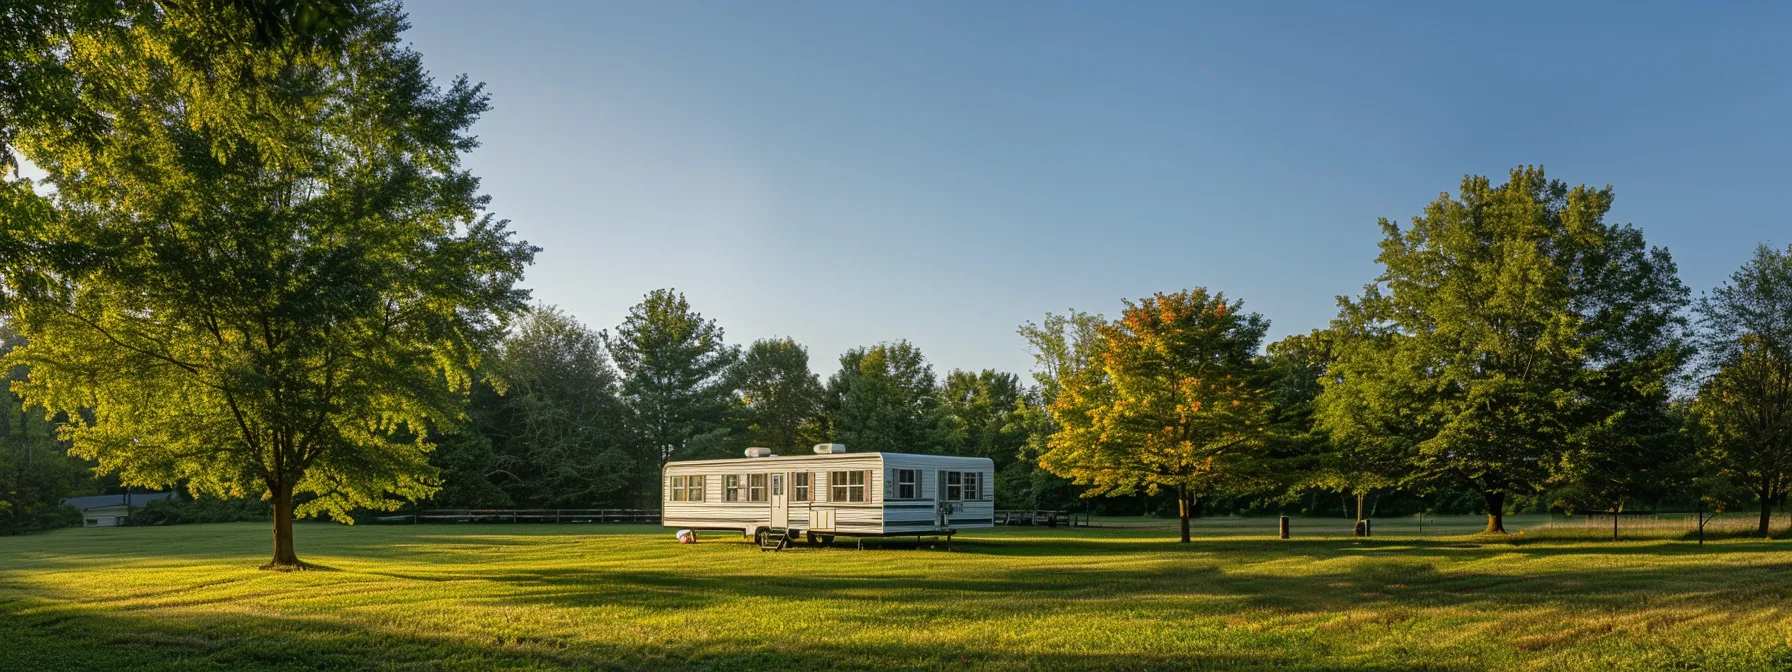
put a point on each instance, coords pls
(1701, 522)
(1284, 526)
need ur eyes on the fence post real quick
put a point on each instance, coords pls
(1284, 527)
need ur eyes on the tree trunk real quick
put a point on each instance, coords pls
(1359, 506)
(1496, 512)
(1183, 505)
(284, 555)
(25, 434)
(1766, 510)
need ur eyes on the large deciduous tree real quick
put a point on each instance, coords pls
(982, 408)
(992, 416)
(1177, 402)
(782, 397)
(1296, 369)
(561, 439)
(885, 399)
(1063, 346)
(675, 381)
(1510, 327)
(265, 281)
(1745, 401)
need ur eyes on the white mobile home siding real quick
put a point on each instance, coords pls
(879, 513)
(921, 512)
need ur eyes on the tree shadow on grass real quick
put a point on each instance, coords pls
(43, 635)
(55, 639)
(1331, 546)
(1163, 586)
(1162, 590)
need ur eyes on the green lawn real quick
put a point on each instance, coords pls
(529, 597)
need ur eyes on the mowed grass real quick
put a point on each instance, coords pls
(609, 597)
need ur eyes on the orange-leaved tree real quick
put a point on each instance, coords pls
(1175, 402)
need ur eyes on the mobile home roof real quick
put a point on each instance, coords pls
(822, 456)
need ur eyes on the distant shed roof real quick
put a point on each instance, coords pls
(101, 501)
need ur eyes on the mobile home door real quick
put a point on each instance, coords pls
(780, 502)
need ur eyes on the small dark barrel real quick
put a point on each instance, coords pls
(1284, 526)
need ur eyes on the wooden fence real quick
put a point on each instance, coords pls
(1041, 517)
(525, 516)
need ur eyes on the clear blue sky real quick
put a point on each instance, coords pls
(852, 172)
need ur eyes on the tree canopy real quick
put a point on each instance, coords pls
(563, 438)
(1502, 329)
(1745, 401)
(781, 395)
(261, 286)
(885, 399)
(1176, 402)
(675, 380)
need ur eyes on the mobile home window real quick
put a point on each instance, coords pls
(908, 483)
(731, 488)
(962, 486)
(846, 486)
(755, 487)
(677, 490)
(693, 486)
(799, 486)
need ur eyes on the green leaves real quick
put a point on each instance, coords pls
(1744, 405)
(884, 399)
(283, 272)
(782, 397)
(675, 381)
(563, 426)
(1174, 399)
(1510, 324)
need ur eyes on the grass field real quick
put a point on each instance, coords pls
(602, 597)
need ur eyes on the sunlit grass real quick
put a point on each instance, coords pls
(533, 597)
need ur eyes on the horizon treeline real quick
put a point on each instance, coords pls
(1517, 353)
(569, 416)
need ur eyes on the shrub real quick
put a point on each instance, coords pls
(20, 519)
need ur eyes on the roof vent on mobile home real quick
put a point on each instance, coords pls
(759, 452)
(829, 448)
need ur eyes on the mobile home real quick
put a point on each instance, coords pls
(831, 492)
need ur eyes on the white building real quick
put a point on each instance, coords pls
(112, 510)
(831, 492)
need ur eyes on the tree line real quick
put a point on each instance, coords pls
(571, 417)
(1515, 345)
(258, 269)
